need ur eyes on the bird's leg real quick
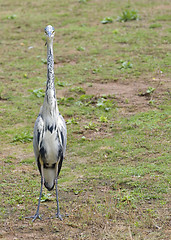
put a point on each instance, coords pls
(41, 188)
(58, 213)
(37, 212)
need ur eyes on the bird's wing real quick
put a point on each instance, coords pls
(41, 133)
(62, 132)
(38, 135)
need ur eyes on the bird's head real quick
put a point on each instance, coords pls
(49, 32)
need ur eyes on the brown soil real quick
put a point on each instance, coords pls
(131, 95)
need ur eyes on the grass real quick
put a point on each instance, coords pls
(112, 84)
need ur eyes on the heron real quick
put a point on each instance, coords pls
(50, 133)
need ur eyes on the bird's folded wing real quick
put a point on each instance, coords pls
(62, 131)
(38, 135)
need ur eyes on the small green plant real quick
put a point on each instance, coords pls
(12, 16)
(152, 102)
(39, 92)
(43, 60)
(46, 197)
(96, 70)
(86, 99)
(65, 101)
(81, 48)
(103, 119)
(83, 138)
(91, 126)
(115, 31)
(71, 121)
(77, 191)
(126, 101)
(107, 20)
(23, 137)
(25, 76)
(61, 84)
(150, 90)
(128, 15)
(77, 90)
(104, 103)
(125, 65)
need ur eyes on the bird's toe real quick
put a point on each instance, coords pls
(58, 215)
(34, 217)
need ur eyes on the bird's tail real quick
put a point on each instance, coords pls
(49, 178)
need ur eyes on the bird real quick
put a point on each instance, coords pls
(50, 132)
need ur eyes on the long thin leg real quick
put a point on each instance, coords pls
(58, 213)
(37, 212)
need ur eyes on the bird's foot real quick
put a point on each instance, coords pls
(58, 215)
(35, 217)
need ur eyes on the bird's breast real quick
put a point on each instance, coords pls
(50, 147)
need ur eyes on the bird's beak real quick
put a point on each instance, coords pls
(49, 34)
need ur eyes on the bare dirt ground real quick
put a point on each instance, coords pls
(131, 95)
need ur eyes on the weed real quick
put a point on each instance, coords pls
(126, 101)
(39, 92)
(128, 15)
(97, 70)
(103, 119)
(85, 98)
(25, 75)
(107, 20)
(71, 121)
(61, 84)
(12, 16)
(81, 48)
(116, 31)
(105, 104)
(91, 126)
(150, 90)
(125, 64)
(66, 101)
(152, 102)
(77, 90)
(43, 60)
(77, 191)
(83, 138)
(23, 137)
(46, 197)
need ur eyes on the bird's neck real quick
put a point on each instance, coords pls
(50, 103)
(50, 68)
